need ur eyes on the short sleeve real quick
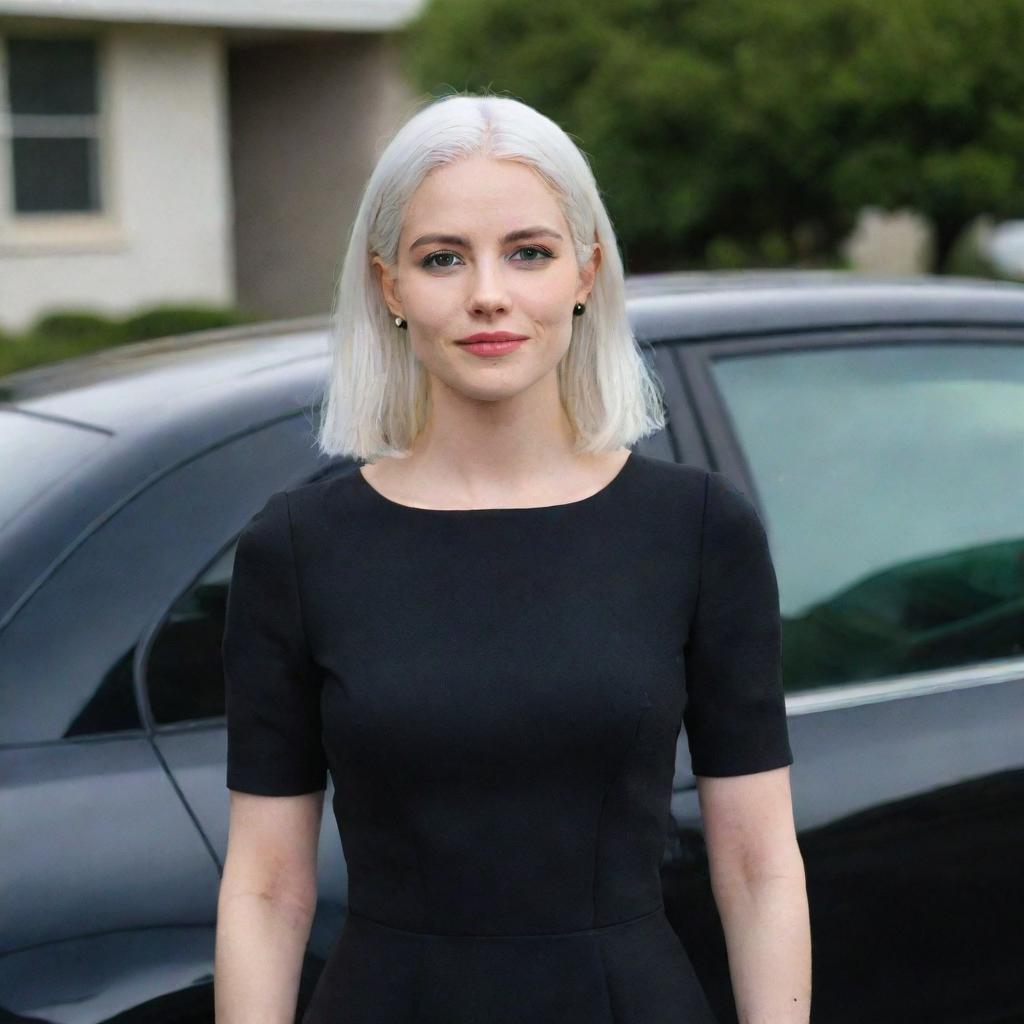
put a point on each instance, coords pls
(271, 691)
(735, 712)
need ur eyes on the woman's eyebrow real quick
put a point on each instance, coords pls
(512, 236)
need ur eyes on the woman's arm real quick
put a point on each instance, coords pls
(265, 906)
(757, 877)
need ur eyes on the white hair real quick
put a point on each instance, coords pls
(377, 397)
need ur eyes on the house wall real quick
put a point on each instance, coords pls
(166, 234)
(309, 117)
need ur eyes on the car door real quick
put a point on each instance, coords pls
(888, 467)
(110, 886)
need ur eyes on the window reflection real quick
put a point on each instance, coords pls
(892, 481)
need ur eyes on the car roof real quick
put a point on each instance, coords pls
(238, 369)
(791, 278)
(694, 306)
(131, 384)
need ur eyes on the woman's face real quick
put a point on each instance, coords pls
(461, 272)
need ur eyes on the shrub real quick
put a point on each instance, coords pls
(67, 333)
(163, 321)
(72, 325)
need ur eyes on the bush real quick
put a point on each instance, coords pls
(71, 325)
(163, 321)
(65, 334)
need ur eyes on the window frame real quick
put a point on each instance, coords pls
(688, 443)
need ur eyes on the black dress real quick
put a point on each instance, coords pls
(497, 694)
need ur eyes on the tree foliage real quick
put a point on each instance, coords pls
(752, 131)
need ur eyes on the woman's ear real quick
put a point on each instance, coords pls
(588, 272)
(388, 284)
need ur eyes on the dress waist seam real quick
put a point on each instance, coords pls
(508, 935)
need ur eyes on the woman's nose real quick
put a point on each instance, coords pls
(489, 293)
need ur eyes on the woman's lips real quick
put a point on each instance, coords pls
(494, 343)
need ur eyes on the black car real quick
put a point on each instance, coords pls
(877, 425)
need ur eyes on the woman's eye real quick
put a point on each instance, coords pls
(534, 249)
(442, 255)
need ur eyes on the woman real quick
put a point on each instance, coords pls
(491, 633)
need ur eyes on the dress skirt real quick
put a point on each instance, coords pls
(633, 972)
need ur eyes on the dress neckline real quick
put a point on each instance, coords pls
(590, 499)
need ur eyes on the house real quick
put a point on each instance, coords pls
(207, 151)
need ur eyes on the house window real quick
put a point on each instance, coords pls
(53, 124)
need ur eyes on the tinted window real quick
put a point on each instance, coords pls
(185, 676)
(67, 657)
(184, 672)
(892, 481)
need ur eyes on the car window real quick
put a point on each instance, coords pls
(184, 671)
(891, 479)
(184, 674)
(72, 647)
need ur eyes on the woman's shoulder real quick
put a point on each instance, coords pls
(721, 507)
(335, 493)
(302, 510)
(711, 484)
(668, 481)
(682, 474)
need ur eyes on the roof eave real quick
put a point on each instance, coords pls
(315, 15)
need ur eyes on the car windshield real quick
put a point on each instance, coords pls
(35, 455)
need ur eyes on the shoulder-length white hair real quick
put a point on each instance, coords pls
(377, 396)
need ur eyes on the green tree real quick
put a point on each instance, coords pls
(732, 131)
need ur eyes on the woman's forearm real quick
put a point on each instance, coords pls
(260, 944)
(767, 933)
